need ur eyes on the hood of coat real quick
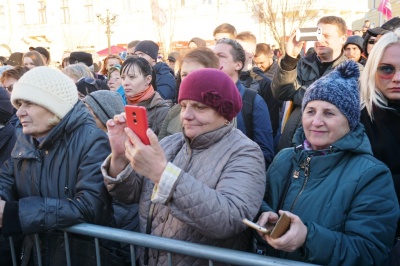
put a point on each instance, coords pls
(355, 141)
(75, 118)
(162, 68)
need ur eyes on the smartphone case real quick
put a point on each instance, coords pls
(136, 119)
(281, 226)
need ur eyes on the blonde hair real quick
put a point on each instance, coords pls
(77, 71)
(370, 95)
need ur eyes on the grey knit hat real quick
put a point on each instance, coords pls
(356, 40)
(105, 104)
(148, 47)
(340, 88)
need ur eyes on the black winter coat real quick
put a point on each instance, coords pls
(56, 183)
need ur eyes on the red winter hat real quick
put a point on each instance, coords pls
(213, 88)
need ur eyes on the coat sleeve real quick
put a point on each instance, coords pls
(286, 85)
(7, 184)
(262, 133)
(218, 212)
(126, 187)
(89, 201)
(166, 86)
(369, 228)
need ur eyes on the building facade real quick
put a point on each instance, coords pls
(70, 25)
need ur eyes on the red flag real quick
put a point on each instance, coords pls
(385, 8)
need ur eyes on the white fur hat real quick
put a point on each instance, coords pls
(47, 87)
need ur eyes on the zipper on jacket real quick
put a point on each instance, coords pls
(306, 167)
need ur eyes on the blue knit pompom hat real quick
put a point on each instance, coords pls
(340, 88)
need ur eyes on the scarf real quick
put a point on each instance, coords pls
(142, 96)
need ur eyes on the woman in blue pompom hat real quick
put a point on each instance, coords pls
(340, 200)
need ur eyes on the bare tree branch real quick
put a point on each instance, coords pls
(283, 16)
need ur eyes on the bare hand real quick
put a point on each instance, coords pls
(292, 239)
(293, 47)
(267, 220)
(117, 137)
(147, 160)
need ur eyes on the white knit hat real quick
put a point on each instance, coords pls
(47, 87)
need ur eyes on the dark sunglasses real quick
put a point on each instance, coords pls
(372, 41)
(386, 71)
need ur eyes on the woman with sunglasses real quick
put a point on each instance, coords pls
(380, 95)
(139, 83)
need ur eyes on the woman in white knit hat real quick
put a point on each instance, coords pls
(53, 177)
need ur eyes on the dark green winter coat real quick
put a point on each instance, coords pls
(347, 200)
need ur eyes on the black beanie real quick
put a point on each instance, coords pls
(6, 108)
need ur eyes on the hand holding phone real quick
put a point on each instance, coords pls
(136, 120)
(280, 228)
(308, 34)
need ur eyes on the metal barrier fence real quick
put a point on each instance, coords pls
(170, 245)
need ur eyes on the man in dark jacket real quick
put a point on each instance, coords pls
(253, 78)
(295, 74)
(232, 59)
(264, 59)
(165, 81)
(7, 130)
(53, 179)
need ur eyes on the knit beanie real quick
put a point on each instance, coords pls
(6, 109)
(213, 88)
(148, 47)
(105, 104)
(356, 40)
(198, 41)
(81, 57)
(47, 87)
(340, 88)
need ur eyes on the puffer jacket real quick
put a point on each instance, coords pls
(165, 80)
(347, 200)
(58, 182)
(291, 86)
(219, 185)
(7, 141)
(157, 109)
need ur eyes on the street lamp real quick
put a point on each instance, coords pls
(108, 20)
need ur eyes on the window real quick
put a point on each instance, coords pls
(2, 16)
(65, 11)
(42, 12)
(88, 10)
(21, 14)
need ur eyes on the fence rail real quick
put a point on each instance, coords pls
(171, 246)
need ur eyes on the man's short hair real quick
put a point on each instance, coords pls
(225, 28)
(337, 21)
(246, 36)
(263, 48)
(133, 44)
(236, 50)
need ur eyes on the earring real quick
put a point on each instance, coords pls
(227, 123)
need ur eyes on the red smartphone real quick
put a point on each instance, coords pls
(136, 119)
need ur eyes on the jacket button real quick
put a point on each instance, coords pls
(162, 219)
(20, 153)
(154, 255)
(47, 152)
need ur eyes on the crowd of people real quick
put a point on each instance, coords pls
(235, 130)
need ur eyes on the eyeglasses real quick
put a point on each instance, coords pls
(372, 41)
(386, 71)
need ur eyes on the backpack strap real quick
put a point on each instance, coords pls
(247, 111)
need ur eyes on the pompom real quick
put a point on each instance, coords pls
(348, 69)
